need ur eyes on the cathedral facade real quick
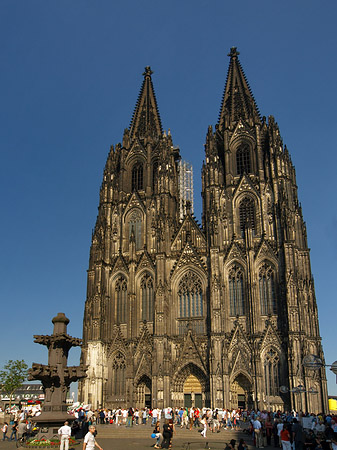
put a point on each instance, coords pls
(219, 314)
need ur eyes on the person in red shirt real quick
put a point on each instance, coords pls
(285, 438)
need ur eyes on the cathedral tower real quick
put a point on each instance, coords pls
(216, 315)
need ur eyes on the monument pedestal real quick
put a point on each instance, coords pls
(56, 377)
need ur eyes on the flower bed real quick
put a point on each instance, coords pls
(47, 443)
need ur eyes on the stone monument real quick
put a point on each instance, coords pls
(56, 376)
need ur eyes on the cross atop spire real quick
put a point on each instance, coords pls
(238, 101)
(233, 52)
(146, 119)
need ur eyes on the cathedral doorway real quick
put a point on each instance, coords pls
(143, 392)
(192, 392)
(241, 393)
(190, 387)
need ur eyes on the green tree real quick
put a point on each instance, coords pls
(12, 376)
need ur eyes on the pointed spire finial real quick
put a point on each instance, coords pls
(238, 102)
(148, 72)
(233, 52)
(146, 119)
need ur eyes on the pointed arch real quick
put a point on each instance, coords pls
(267, 289)
(147, 297)
(247, 215)
(271, 372)
(121, 297)
(137, 181)
(243, 159)
(236, 291)
(190, 298)
(134, 221)
(118, 368)
(190, 369)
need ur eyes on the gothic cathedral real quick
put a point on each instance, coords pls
(219, 314)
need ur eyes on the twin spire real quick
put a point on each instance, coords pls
(237, 103)
(146, 119)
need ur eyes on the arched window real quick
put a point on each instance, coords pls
(118, 375)
(121, 295)
(236, 292)
(243, 159)
(190, 296)
(271, 373)
(154, 176)
(267, 290)
(146, 287)
(135, 227)
(247, 215)
(137, 177)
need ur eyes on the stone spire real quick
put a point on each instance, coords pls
(146, 120)
(238, 101)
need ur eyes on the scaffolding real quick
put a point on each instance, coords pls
(185, 188)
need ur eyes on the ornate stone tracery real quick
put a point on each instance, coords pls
(228, 305)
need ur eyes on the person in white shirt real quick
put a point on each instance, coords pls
(89, 442)
(64, 433)
(257, 432)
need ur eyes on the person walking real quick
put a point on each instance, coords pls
(14, 431)
(89, 442)
(204, 423)
(65, 433)
(167, 435)
(4, 430)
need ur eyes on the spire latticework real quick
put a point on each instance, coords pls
(238, 101)
(146, 120)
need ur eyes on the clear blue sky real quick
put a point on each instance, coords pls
(70, 76)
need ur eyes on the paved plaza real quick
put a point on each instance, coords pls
(111, 437)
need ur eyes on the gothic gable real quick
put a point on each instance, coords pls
(270, 337)
(117, 343)
(144, 367)
(241, 364)
(134, 202)
(144, 343)
(189, 353)
(238, 339)
(245, 185)
(242, 132)
(119, 264)
(235, 252)
(136, 152)
(145, 262)
(264, 251)
(189, 229)
(189, 256)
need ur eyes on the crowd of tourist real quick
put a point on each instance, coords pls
(286, 430)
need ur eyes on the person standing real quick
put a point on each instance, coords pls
(285, 437)
(130, 418)
(297, 432)
(89, 442)
(64, 432)
(257, 432)
(4, 430)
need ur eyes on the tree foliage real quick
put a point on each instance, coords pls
(12, 376)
